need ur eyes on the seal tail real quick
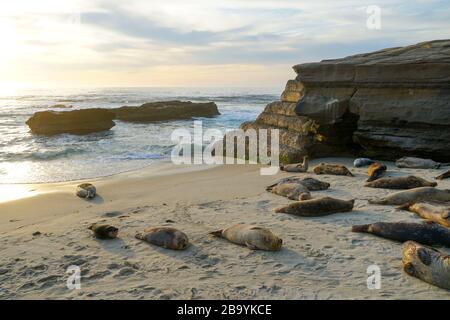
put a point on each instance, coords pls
(269, 188)
(217, 233)
(361, 228)
(139, 235)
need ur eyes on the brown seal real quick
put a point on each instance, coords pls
(409, 182)
(317, 207)
(333, 169)
(104, 231)
(426, 232)
(166, 237)
(251, 236)
(413, 196)
(86, 190)
(310, 183)
(443, 176)
(292, 191)
(376, 170)
(426, 264)
(296, 167)
(438, 213)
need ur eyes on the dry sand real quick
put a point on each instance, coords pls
(321, 258)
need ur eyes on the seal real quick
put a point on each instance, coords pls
(104, 231)
(443, 176)
(433, 212)
(413, 196)
(292, 191)
(317, 207)
(333, 169)
(426, 232)
(426, 264)
(376, 170)
(405, 183)
(362, 162)
(310, 183)
(86, 191)
(166, 237)
(417, 163)
(255, 238)
(296, 167)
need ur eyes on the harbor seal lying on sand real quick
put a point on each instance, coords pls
(433, 212)
(376, 171)
(251, 236)
(292, 191)
(333, 169)
(104, 231)
(413, 196)
(310, 183)
(296, 167)
(86, 190)
(426, 232)
(317, 207)
(443, 176)
(417, 163)
(362, 162)
(426, 264)
(166, 237)
(409, 182)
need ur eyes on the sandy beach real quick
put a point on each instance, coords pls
(320, 259)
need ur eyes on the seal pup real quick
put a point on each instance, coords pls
(417, 163)
(376, 171)
(104, 231)
(413, 196)
(443, 176)
(409, 182)
(296, 167)
(86, 191)
(333, 169)
(426, 232)
(433, 212)
(426, 264)
(362, 162)
(255, 238)
(310, 183)
(292, 191)
(317, 207)
(166, 237)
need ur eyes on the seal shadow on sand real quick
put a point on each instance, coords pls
(97, 200)
(116, 246)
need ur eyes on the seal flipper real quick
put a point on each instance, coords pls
(424, 256)
(217, 233)
(251, 246)
(140, 236)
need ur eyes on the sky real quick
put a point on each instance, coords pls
(250, 43)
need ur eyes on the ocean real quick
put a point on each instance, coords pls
(28, 158)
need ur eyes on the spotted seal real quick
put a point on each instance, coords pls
(426, 232)
(332, 169)
(317, 207)
(430, 211)
(253, 237)
(104, 231)
(292, 191)
(405, 183)
(296, 167)
(417, 163)
(310, 183)
(413, 196)
(166, 237)
(362, 162)
(426, 264)
(375, 171)
(86, 190)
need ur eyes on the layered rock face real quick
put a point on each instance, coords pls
(385, 104)
(167, 110)
(74, 122)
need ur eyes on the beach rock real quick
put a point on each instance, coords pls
(164, 111)
(385, 104)
(389, 103)
(74, 122)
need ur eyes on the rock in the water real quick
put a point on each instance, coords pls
(167, 110)
(73, 122)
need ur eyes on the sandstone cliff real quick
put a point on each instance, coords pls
(384, 104)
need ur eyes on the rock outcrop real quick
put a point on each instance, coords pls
(385, 104)
(74, 122)
(93, 120)
(165, 111)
